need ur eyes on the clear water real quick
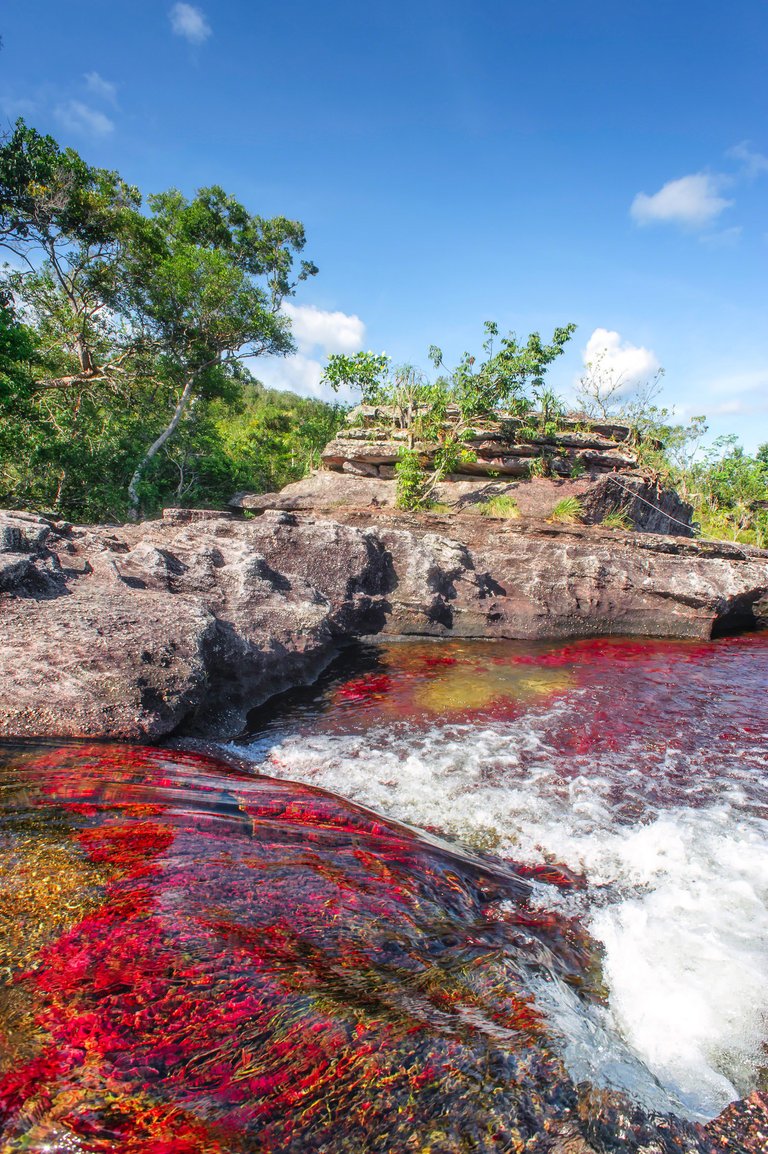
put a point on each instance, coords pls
(640, 766)
(566, 940)
(195, 960)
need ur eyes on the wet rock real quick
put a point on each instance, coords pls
(185, 624)
(743, 1126)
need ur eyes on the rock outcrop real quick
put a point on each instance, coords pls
(370, 442)
(184, 624)
(594, 464)
(642, 504)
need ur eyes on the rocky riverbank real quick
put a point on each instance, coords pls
(183, 624)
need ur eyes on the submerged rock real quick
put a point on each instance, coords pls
(237, 963)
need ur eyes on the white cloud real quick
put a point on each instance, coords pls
(692, 201)
(317, 332)
(753, 163)
(722, 238)
(189, 22)
(101, 88)
(299, 373)
(619, 360)
(79, 117)
(333, 332)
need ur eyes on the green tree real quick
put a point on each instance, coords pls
(67, 223)
(204, 284)
(509, 378)
(138, 322)
(731, 492)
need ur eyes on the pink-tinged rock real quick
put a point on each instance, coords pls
(136, 632)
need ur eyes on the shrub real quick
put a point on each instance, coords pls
(577, 469)
(566, 512)
(411, 481)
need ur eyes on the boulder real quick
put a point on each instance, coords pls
(183, 625)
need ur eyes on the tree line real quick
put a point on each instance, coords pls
(125, 325)
(128, 324)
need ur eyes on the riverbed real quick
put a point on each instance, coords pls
(455, 896)
(641, 766)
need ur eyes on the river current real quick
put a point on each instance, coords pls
(455, 896)
(641, 766)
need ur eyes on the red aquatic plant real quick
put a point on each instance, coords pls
(269, 967)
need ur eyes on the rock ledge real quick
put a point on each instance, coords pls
(184, 624)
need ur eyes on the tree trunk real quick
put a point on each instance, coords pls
(156, 446)
(84, 356)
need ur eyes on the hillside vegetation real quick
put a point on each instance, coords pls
(130, 332)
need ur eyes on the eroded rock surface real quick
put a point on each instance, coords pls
(186, 623)
(641, 503)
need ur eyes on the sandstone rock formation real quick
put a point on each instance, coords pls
(591, 461)
(186, 623)
(644, 505)
(369, 445)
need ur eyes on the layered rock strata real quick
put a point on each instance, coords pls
(184, 624)
(369, 446)
(534, 461)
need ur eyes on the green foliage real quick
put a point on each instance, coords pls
(124, 386)
(566, 512)
(411, 488)
(365, 373)
(729, 491)
(475, 390)
(501, 381)
(577, 468)
(501, 506)
(617, 519)
(551, 410)
(538, 467)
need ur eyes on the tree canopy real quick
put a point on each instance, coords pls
(123, 322)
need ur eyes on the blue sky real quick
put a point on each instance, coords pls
(533, 162)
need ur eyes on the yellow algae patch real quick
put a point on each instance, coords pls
(476, 687)
(47, 886)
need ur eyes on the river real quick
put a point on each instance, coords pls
(570, 929)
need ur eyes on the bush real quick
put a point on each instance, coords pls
(411, 481)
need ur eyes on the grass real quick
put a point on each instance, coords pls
(438, 507)
(616, 520)
(502, 506)
(566, 512)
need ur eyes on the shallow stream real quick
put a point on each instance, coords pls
(640, 765)
(570, 930)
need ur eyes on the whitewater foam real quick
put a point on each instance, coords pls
(677, 877)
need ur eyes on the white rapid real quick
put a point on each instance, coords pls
(670, 835)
